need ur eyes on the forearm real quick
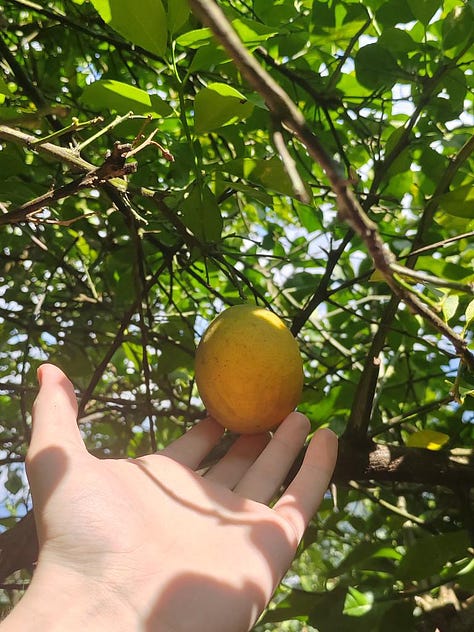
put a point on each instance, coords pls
(58, 601)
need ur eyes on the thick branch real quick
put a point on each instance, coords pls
(379, 462)
(18, 547)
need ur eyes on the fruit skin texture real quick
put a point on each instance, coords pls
(248, 369)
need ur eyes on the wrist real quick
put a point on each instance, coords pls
(60, 599)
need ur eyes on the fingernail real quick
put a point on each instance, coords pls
(39, 374)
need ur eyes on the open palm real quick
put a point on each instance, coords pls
(181, 550)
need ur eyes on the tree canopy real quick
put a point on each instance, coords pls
(160, 161)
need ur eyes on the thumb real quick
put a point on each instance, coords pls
(54, 415)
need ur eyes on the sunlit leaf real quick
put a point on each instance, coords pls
(270, 173)
(449, 306)
(201, 214)
(357, 603)
(469, 313)
(217, 105)
(458, 202)
(142, 23)
(108, 94)
(428, 439)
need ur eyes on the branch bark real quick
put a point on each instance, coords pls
(384, 463)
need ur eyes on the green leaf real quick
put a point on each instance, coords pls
(209, 53)
(323, 16)
(178, 13)
(201, 214)
(360, 554)
(444, 269)
(428, 555)
(4, 89)
(357, 603)
(142, 23)
(428, 439)
(376, 67)
(457, 26)
(195, 38)
(173, 357)
(469, 313)
(465, 577)
(454, 83)
(269, 173)
(459, 202)
(308, 217)
(14, 482)
(392, 13)
(218, 105)
(449, 306)
(397, 40)
(11, 162)
(208, 57)
(252, 192)
(423, 10)
(340, 35)
(108, 94)
(251, 32)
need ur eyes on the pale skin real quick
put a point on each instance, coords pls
(150, 544)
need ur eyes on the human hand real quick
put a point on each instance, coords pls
(148, 543)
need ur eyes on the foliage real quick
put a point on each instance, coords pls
(115, 278)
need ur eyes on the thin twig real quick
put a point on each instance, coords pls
(422, 277)
(393, 508)
(415, 412)
(290, 165)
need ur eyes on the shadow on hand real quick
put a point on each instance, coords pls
(237, 551)
(232, 602)
(45, 471)
(206, 605)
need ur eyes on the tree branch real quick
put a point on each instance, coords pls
(66, 156)
(114, 166)
(350, 210)
(381, 462)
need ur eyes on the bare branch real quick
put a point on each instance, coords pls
(114, 166)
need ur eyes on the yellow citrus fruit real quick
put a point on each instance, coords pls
(249, 370)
